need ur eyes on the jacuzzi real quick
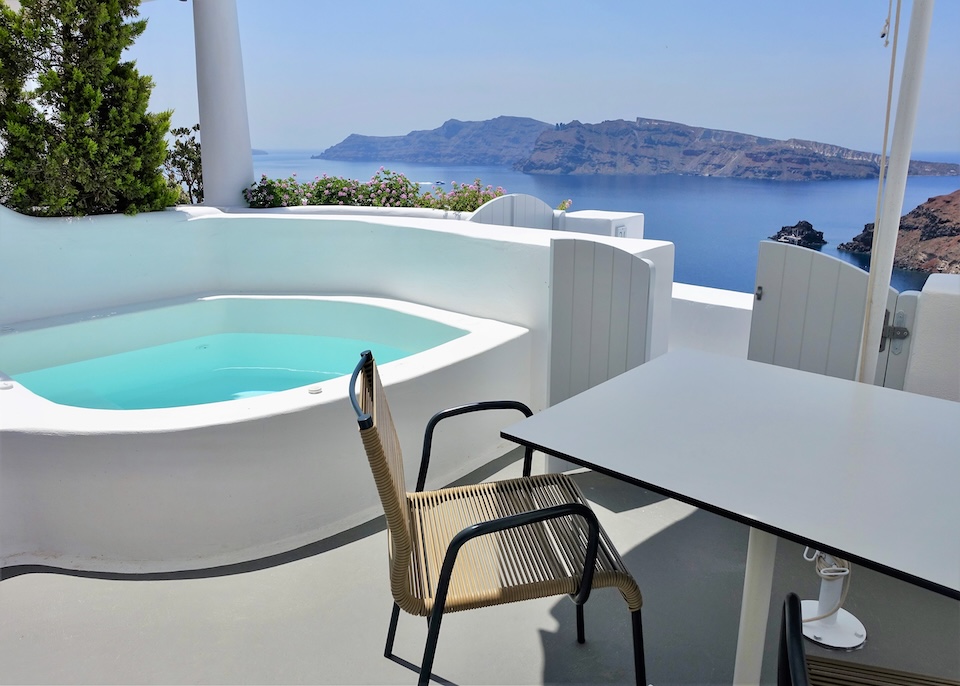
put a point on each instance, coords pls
(198, 486)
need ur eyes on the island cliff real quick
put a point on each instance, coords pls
(652, 146)
(503, 141)
(929, 238)
(802, 233)
(640, 147)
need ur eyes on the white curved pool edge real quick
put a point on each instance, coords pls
(20, 409)
(183, 488)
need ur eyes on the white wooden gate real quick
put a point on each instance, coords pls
(600, 312)
(515, 209)
(808, 314)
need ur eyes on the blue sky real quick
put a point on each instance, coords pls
(317, 70)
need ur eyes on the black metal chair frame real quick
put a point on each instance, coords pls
(792, 657)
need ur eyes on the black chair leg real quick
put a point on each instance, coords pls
(392, 631)
(639, 662)
(581, 637)
(430, 650)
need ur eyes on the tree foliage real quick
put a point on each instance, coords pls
(183, 165)
(75, 134)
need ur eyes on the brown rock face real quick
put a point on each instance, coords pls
(929, 238)
(802, 233)
(652, 146)
(500, 141)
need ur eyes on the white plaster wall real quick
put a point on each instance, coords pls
(934, 364)
(137, 500)
(710, 319)
(61, 266)
(604, 223)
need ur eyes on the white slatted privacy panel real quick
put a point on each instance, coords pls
(601, 307)
(808, 312)
(516, 209)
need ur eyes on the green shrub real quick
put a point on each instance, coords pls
(384, 189)
(184, 166)
(75, 135)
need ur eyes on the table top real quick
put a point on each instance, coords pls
(869, 474)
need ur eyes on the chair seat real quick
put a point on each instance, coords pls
(824, 670)
(489, 570)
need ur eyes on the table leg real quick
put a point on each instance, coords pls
(755, 607)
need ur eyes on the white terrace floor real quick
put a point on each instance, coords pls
(319, 616)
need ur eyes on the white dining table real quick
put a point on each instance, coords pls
(865, 473)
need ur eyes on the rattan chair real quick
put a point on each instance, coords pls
(467, 547)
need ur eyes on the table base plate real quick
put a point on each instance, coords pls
(844, 632)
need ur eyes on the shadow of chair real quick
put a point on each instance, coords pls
(466, 547)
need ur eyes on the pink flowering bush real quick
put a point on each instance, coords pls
(384, 189)
(333, 190)
(275, 193)
(463, 197)
(389, 189)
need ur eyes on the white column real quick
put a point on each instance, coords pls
(221, 95)
(888, 227)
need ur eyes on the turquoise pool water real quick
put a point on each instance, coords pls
(202, 370)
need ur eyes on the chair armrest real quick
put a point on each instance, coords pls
(365, 420)
(464, 409)
(513, 521)
(791, 654)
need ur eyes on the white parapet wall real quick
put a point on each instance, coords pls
(604, 223)
(519, 209)
(64, 266)
(934, 364)
(710, 319)
(152, 493)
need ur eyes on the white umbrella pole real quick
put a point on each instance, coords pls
(886, 230)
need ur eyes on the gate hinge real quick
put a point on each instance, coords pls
(895, 332)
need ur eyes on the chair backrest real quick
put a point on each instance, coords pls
(791, 658)
(386, 462)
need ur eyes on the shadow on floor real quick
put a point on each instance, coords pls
(690, 613)
(316, 548)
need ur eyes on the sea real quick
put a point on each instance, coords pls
(716, 224)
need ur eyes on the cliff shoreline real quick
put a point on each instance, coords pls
(929, 237)
(640, 147)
